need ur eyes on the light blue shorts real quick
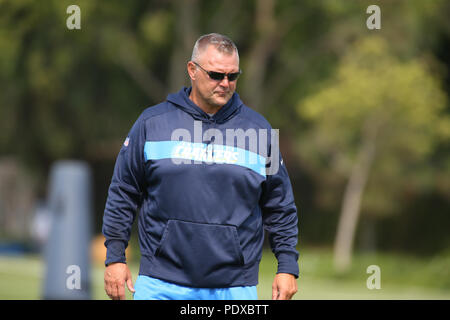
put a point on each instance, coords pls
(148, 288)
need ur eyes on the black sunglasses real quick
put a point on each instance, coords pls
(219, 76)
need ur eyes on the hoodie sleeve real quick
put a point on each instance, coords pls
(280, 219)
(124, 194)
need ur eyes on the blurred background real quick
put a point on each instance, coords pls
(364, 121)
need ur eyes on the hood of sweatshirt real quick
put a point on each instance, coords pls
(181, 100)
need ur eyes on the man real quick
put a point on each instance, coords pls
(203, 205)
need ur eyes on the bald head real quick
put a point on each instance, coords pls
(221, 43)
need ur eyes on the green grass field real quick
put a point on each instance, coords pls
(21, 277)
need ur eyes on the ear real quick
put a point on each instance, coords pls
(191, 69)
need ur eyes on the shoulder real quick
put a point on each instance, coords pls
(255, 117)
(156, 110)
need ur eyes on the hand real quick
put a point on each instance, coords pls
(116, 275)
(284, 286)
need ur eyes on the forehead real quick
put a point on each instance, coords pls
(215, 60)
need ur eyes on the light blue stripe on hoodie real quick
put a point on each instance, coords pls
(202, 152)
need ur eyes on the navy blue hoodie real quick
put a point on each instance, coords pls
(203, 206)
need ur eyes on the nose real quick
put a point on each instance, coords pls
(225, 82)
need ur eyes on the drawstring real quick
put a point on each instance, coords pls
(212, 143)
(211, 140)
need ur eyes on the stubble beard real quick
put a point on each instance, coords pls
(217, 100)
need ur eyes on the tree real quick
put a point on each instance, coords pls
(376, 119)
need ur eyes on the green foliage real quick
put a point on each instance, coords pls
(58, 86)
(75, 94)
(401, 100)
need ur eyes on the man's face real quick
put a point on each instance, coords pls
(215, 93)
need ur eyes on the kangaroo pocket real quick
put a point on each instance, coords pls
(200, 255)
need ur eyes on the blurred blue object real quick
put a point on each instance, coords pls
(67, 251)
(13, 248)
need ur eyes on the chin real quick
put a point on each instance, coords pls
(216, 102)
(223, 102)
(220, 101)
